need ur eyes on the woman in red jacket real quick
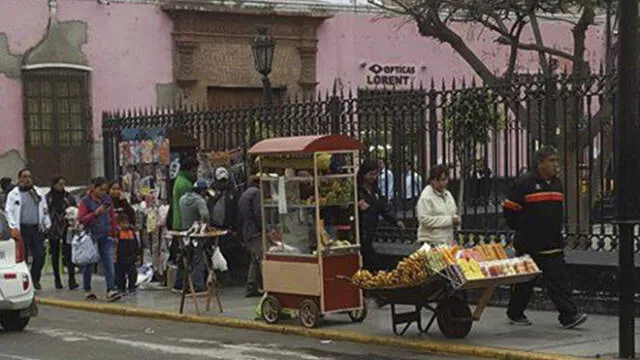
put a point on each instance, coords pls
(97, 214)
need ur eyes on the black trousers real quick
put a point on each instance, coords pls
(556, 278)
(370, 258)
(34, 247)
(126, 272)
(57, 246)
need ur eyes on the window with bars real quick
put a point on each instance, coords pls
(57, 122)
(56, 108)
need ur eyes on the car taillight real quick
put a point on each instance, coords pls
(25, 282)
(15, 235)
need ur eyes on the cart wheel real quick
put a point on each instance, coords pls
(454, 318)
(309, 313)
(358, 316)
(270, 310)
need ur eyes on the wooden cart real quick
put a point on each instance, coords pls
(310, 227)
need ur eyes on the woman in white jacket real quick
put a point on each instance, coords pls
(437, 210)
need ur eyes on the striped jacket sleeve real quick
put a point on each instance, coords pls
(512, 205)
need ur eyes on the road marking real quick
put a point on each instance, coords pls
(216, 350)
(16, 357)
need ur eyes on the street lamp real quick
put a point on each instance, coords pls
(263, 46)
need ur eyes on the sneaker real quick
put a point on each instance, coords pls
(575, 321)
(37, 286)
(89, 296)
(113, 296)
(523, 321)
(73, 285)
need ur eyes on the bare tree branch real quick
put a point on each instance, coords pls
(534, 47)
(537, 35)
(513, 55)
(555, 18)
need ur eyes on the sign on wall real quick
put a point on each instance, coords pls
(390, 75)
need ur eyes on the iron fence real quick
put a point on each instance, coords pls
(486, 134)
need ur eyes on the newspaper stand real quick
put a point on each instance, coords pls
(310, 227)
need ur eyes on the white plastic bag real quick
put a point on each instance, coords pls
(218, 260)
(84, 250)
(425, 247)
(145, 274)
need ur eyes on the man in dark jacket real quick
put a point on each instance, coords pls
(223, 206)
(250, 219)
(534, 209)
(223, 214)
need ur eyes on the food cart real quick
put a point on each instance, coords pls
(310, 227)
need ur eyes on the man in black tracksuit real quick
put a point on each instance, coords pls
(534, 209)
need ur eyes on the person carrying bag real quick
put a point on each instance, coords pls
(97, 215)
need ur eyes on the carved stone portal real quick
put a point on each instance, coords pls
(213, 49)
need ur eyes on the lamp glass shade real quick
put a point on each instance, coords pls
(263, 47)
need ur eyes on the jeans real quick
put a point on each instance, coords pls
(34, 247)
(106, 250)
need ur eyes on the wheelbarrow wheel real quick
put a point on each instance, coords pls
(454, 318)
(309, 313)
(358, 316)
(271, 309)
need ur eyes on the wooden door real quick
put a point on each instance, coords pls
(57, 124)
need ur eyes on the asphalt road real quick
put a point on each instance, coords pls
(59, 334)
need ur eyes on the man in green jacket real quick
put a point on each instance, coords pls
(183, 184)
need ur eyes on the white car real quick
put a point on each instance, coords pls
(17, 296)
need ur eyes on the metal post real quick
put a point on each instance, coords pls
(266, 90)
(627, 171)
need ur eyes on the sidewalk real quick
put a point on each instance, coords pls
(598, 338)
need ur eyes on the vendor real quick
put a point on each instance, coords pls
(437, 211)
(223, 210)
(371, 205)
(193, 208)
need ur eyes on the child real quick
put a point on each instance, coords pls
(126, 254)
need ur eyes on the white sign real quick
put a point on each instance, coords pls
(391, 75)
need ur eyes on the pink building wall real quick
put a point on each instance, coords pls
(128, 47)
(349, 43)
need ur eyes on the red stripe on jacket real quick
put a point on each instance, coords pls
(544, 197)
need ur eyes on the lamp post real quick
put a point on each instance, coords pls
(627, 165)
(263, 46)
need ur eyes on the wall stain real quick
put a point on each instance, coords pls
(9, 62)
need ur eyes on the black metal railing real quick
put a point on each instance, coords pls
(486, 134)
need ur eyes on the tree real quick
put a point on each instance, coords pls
(471, 118)
(506, 20)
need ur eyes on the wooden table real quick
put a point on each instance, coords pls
(209, 241)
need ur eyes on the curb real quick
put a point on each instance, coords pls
(335, 335)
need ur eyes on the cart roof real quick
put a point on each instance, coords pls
(305, 144)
